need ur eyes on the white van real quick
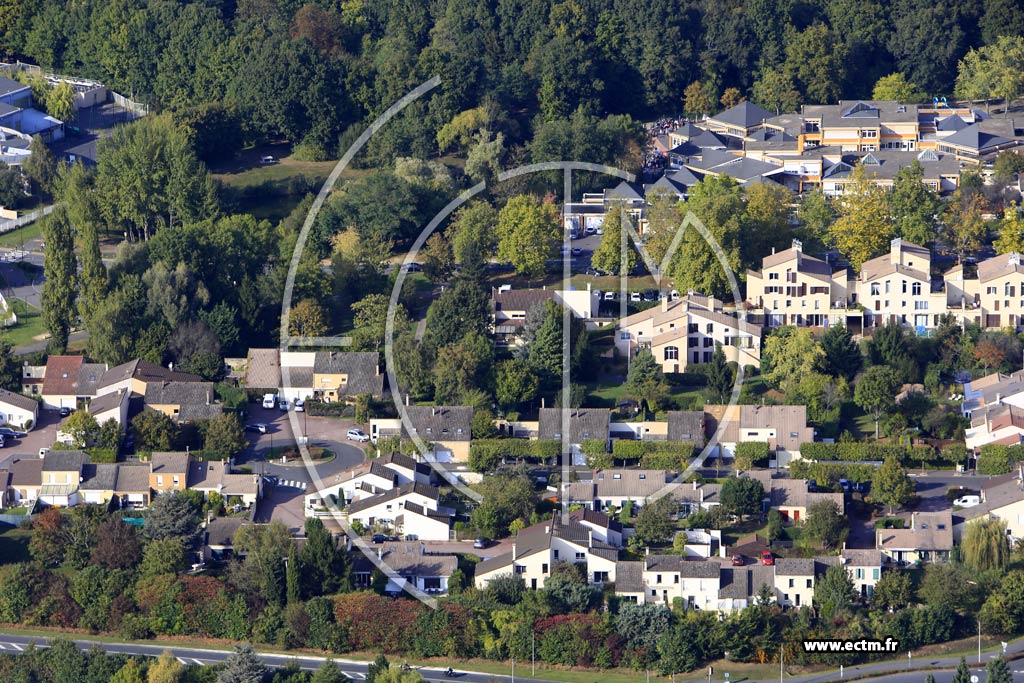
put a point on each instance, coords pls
(269, 400)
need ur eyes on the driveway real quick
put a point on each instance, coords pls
(41, 436)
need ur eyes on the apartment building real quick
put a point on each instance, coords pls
(794, 288)
(685, 331)
(897, 287)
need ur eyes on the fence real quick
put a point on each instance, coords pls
(14, 520)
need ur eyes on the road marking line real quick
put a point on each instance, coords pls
(17, 647)
(183, 661)
(197, 661)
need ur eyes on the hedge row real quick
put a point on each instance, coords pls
(826, 473)
(865, 451)
(999, 459)
(655, 455)
(486, 454)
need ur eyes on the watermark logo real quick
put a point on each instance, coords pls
(631, 239)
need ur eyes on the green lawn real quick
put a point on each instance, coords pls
(281, 172)
(30, 325)
(16, 238)
(13, 544)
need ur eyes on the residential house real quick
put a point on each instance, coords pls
(686, 331)
(219, 538)
(135, 376)
(897, 287)
(26, 478)
(996, 423)
(928, 539)
(215, 476)
(413, 565)
(132, 486)
(169, 471)
(61, 477)
(695, 583)
(509, 308)
(183, 401)
(536, 549)
(327, 376)
(993, 389)
(741, 587)
(610, 490)
(794, 581)
(679, 425)
(574, 426)
(1000, 296)
(113, 406)
(602, 527)
(792, 499)
(407, 468)
(67, 382)
(18, 410)
(783, 428)
(793, 288)
(98, 483)
(700, 544)
(357, 483)
(629, 581)
(445, 429)
(865, 569)
(1002, 498)
(388, 510)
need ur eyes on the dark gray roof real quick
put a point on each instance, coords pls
(742, 168)
(519, 299)
(89, 377)
(362, 368)
(144, 371)
(743, 115)
(584, 423)
(398, 492)
(179, 393)
(404, 461)
(99, 477)
(64, 461)
(170, 462)
(102, 404)
(221, 530)
(794, 567)
(953, 123)
(18, 400)
(973, 137)
(441, 423)
(689, 569)
(8, 86)
(625, 190)
(629, 577)
(686, 425)
(132, 478)
(408, 559)
(26, 472)
(598, 519)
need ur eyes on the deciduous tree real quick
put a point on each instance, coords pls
(528, 233)
(863, 228)
(875, 392)
(891, 486)
(61, 279)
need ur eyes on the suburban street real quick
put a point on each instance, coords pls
(882, 672)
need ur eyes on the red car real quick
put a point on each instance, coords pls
(767, 558)
(737, 561)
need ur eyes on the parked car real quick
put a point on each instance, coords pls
(738, 561)
(845, 485)
(258, 427)
(300, 405)
(11, 433)
(812, 486)
(609, 296)
(767, 558)
(357, 435)
(379, 538)
(863, 487)
(269, 400)
(967, 501)
(412, 268)
(266, 159)
(650, 295)
(636, 296)
(590, 230)
(65, 411)
(482, 543)
(576, 251)
(282, 405)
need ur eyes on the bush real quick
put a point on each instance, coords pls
(827, 473)
(102, 455)
(750, 454)
(655, 455)
(856, 451)
(334, 409)
(999, 459)
(487, 454)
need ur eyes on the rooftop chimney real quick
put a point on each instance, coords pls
(407, 399)
(513, 551)
(664, 305)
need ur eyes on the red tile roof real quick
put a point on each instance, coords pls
(62, 375)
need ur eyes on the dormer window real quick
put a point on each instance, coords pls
(616, 476)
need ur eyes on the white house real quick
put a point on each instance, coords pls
(386, 508)
(18, 410)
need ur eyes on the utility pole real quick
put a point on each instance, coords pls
(533, 653)
(782, 655)
(513, 670)
(979, 640)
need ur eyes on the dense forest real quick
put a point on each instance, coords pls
(316, 72)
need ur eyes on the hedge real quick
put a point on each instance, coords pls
(751, 454)
(333, 409)
(486, 454)
(826, 473)
(102, 455)
(865, 451)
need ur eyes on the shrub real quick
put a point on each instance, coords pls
(487, 454)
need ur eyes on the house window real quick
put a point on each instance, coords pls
(696, 356)
(858, 573)
(159, 480)
(710, 328)
(773, 276)
(520, 569)
(580, 557)
(708, 341)
(544, 567)
(904, 289)
(791, 583)
(915, 289)
(671, 353)
(691, 328)
(707, 356)
(675, 579)
(617, 475)
(175, 480)
(600, 577)
(874, 572)
(657, 579)
(624, 336)
(809, 582)
(432, 583)
(691, 342)
(875, 289)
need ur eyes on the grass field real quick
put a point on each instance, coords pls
(30, 325)
(16, 238)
